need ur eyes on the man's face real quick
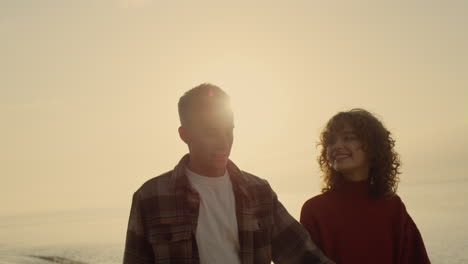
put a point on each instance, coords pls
(209, 136)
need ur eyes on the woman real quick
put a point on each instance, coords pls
(358, 218)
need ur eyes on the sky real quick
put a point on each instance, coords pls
(89, 91)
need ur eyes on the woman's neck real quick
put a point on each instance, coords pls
(357, 175)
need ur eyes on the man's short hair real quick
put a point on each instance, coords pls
(203, 96)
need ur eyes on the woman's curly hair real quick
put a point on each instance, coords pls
(378, 144)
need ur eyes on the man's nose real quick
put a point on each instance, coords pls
(222, 141)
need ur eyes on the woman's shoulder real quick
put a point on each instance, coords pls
(313, 207)
(395, 200)
(318, 200)
(396, 205)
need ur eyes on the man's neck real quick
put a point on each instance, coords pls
(212, 172)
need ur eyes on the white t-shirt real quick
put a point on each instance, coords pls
(217, 236)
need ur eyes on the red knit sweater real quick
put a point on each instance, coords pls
(350, 227)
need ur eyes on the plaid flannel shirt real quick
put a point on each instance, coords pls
(164, 214)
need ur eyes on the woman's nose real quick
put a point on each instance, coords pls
(337, 144)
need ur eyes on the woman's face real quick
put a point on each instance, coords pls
(346, 154)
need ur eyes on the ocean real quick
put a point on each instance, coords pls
(98, 235)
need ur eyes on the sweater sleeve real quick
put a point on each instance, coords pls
(308, 221)
(412, 246)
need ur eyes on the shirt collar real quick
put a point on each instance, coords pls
(181, 182)
(196, 178)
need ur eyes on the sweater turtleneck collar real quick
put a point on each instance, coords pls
(358, 189)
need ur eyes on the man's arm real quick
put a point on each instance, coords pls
(291, 243)
(137, 248)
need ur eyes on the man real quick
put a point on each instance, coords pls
(208, 211)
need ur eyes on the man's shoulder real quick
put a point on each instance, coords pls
(159, 185)
(256, 188)
(252, 180)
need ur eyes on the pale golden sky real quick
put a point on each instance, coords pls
(89, 90)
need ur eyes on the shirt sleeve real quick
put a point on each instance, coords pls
(137, 248)
(291, 244)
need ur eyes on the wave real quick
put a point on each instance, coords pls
(62, 254)
(56, 259)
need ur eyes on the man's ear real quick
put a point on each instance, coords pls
(183, 134)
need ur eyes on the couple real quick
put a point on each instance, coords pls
(208, 211)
